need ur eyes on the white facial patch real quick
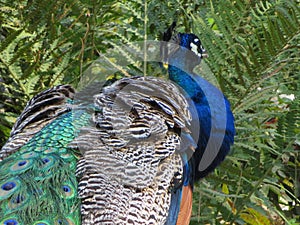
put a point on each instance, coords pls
(202, 48)
(196, 40)
(194, 48)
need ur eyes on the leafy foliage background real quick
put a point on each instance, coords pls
(254, 58)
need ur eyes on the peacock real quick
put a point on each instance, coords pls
(212, 124)
(212, 109)
(129, 155)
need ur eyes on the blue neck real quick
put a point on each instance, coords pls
(184, 60)
(212, 111)
(181, 65)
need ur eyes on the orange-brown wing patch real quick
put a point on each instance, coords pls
(185, 206)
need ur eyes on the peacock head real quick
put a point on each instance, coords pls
(192, 43)
(183, 50)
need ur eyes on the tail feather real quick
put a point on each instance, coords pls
(39, 111)
(37, 176)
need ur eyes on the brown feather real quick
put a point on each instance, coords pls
(185, 206)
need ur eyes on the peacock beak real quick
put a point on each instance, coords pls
(204, 55)
(203, 52)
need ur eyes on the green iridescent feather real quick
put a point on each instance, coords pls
(37, 182)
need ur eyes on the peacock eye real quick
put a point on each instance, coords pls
(66, 188)
(19, 199)
(10, 222)
(45, 160)
(8, 186)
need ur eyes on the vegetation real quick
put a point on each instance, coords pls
(254, 58)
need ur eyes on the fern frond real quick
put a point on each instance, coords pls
(253, 52)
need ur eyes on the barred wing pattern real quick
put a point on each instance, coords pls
(131, 159)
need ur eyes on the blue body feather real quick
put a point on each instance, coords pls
(216, 121)
(212, 120)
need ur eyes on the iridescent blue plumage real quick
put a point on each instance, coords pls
(212, 120)
(216, 121)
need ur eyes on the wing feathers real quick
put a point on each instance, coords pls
(131, 165)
